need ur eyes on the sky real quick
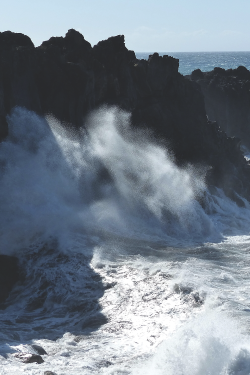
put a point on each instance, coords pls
(148, 25)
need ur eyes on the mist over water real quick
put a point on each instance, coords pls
(112, 179)
(117, 249)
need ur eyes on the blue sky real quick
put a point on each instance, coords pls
(159, 25)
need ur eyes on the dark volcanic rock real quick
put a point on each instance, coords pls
(29, 358)
(69, 78)
(227, 99)
(9, 275)
(39, 349)
(10, 40)
(73, 47)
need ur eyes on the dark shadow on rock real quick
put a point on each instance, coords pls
(59, 294)
(9, 276)
(227, 98)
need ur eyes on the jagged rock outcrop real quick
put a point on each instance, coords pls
(69, 78)
(227, 99)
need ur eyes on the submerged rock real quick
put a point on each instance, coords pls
(29, 358)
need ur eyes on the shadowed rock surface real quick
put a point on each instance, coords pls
(9, 275)
(227, 99)
(65, 76)
(39, 349)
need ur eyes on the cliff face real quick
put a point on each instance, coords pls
(227, 99)
(69, 78)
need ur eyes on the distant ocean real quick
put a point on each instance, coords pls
(205, 61)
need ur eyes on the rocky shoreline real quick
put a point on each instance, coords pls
(68, 78)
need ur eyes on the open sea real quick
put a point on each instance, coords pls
(205, 61)
(125, 272)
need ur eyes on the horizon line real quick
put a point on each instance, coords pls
(150, 52)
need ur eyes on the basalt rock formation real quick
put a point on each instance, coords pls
(227, 99)
(67, 77)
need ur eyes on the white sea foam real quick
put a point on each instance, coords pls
(113, 179)
(209, 344)
(132, 233)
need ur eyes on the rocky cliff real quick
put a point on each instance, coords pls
(67, 77)
(227, 99)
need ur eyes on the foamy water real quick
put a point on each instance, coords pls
(126, 273)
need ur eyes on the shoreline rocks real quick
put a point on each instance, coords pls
(68, 78)
(31, 354)
(28, 358)
(227, 99)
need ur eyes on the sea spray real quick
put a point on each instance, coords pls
(106, 228)
(55, 183)
(209, 344)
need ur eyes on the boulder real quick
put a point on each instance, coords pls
(39, 349)
(29, 358)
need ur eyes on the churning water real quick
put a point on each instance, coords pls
(125, 272)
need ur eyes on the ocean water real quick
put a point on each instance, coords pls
(205, 61)
(125, 272)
